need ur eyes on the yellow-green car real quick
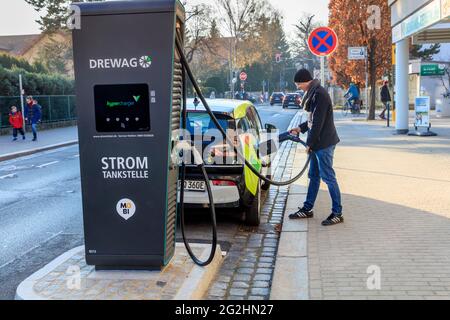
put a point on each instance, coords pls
(233, 184)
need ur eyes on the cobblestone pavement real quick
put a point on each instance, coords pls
(396, 197)
(247, 270)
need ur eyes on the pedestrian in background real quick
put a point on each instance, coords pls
(33, 115)
(16, 121)
(321, 143)
(385, 98)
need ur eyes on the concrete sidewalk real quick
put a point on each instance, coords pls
(48, 139)
(395, 242)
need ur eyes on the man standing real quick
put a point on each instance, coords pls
(385, 98)
(321, 143)
(33, 115)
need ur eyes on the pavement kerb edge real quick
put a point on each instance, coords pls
(25, 289)
(277, 282)
(28, 152)
(186, 292)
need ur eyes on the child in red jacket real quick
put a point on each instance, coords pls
(16, 120)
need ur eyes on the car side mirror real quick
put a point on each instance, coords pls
(270, 127)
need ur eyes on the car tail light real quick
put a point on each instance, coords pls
(223, 183)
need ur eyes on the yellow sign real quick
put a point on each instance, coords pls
(393, 54)
(445, 8)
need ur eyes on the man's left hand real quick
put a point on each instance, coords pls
(308, 150)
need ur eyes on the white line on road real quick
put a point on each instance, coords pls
(8, 176)
(47, 164)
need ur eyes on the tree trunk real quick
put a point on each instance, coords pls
(372, 80)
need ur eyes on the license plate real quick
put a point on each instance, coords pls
(199, 186)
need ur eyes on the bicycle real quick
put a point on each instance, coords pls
(355, 107)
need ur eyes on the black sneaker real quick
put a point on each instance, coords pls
(302, 213)
(333, 219)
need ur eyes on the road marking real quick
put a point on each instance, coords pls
(47, 164)
(9, 176)
(76, 156)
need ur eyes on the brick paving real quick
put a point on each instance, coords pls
(396, 198)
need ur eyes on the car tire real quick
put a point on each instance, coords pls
(253, 212)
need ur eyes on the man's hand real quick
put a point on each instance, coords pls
(295, 131)
(308, 150)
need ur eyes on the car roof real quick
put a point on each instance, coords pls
(233, 108)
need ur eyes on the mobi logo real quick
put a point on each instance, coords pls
(121, 63)
(126, 208)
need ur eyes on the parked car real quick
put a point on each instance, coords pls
(233, 184)
(276, 98)
(292, 99)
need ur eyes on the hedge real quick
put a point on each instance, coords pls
(10, 62)
(34, 83)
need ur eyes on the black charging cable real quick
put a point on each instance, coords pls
(212, 206)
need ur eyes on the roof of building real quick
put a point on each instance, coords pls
(18, 45)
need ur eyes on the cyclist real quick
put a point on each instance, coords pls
(352, 95)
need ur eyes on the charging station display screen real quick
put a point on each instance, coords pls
(122, 108)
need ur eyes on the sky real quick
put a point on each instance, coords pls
(18, 17)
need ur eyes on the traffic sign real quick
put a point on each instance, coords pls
(357, 53)
(432, 70)
(243, 76)
(323, 41)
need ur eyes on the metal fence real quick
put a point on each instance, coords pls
(54, 108)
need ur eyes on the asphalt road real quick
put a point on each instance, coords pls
(41, 215)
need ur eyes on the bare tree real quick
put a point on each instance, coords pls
(304, 28)
(198, 22)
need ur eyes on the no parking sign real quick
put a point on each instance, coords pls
(323, 41)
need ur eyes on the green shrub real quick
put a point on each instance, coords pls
(34, 83)
(10, 62)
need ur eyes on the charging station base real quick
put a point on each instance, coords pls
(69, 278)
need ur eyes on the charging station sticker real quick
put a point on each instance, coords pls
(126, 208)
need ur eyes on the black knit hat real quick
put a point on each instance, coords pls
(303, 75)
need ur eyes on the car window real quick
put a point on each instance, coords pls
(243, 125)
(253, 117)
(200, 122)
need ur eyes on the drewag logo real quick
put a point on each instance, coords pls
(121, 63)
(126, 208)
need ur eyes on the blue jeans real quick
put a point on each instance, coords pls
(321, 167)
(34, 129)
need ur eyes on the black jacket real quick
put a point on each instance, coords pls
(323, 132)
(385, 95)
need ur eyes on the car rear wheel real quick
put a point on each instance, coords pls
(253, 212)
